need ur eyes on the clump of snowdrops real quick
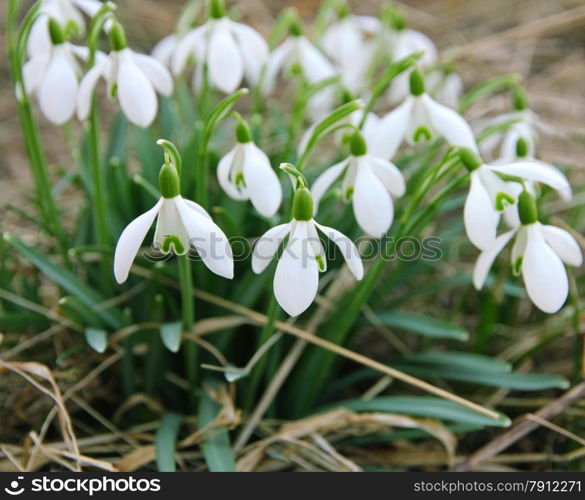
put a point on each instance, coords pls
(282, 179)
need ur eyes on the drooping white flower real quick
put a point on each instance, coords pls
(67, 13)
(446, 87)
(163, 51)
(490, 195)
(53, 76)
(297, 274)
(418, 118)
(134, 78)
(180, 224)
(369, 182)
(245, 173)
(539, 252)
(403, 43)
(350, 45)
(229, 50)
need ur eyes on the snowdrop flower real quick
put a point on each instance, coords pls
(299, 54)
(230, 51)
(369, 182)
(297, 274)
(526, 128)
(420, 117)
(245, 173)
(405, 42)
(490, 195)
(53, 76)
(163, 51)
(539, 252)
(134, 78)
(350, 46)
(180, 223)
(67, 13)
(446, 87)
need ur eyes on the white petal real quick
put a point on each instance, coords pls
(34, 70)
(210, 241)
(87, 87)
(544, 274)
(130, 241)
(316, 247)
(316, 67)
(450, 124)
(58, 88)
(163, 50)
(267, 245)
(347, 248)
(411, 41)
(487, 257)
(155, 71)
(90, 7)
(224, 171)
(39, 39)
(391, 131)
(324, 182)
(372, 204)
(197, 208)
(564, 245)
(262, 184)
(480, 217)
(276, 61)
(389, 174)
(297, 274)
(538, 171)
(253, 48)
(226, 68)
(192, 43)
(135, 92)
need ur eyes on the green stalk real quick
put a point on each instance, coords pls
(250, 390)
(188, 311)
(45, 196)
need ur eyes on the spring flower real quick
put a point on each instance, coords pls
(298, 53)
(228, 49)
(67, 13)
(526, 127)
(539, 252)
(134, 78)
(369, 182)
(163, 51)
(420, 117)
(404, 42)
(350, 46)
(297, 274)
(245, 173)
(53, 76)
(490, 195)
(446, 87)
(180, 224)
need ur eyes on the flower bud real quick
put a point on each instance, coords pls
(519, 100)
(527, 208)
(243, 132)
(216, 9)
(302, 205)
(470, 160)
(117, 37)
(521, 148)
(358, 144)
(168, 181)
(56, 32)
(417, 82)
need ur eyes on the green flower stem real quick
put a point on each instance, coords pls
(251, 387)
(45, 196)
(188, 311)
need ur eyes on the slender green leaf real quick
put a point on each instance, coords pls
(165, 442)
(423, 325)
(460, 360)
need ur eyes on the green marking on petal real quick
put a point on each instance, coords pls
(174, 244)
(348, 194)
(517, 266)
(422, 134)
(503, 200)
(320, 262)
(239, 180)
